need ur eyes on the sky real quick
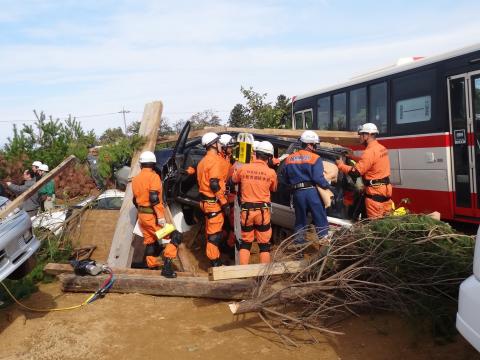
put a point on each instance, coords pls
(91, 59)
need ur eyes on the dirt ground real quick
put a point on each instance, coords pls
(133, 326)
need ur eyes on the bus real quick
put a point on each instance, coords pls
(428, 113)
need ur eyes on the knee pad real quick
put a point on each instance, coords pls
(215, 239)
(153, 249)
(176, 238)
(245, 245)
(264, 247)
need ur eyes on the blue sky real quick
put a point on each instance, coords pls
(94, 57)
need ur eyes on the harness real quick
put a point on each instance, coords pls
(262, 206)
(145, 210)
(378, 198)
(302, 185)
(376, 182)
(208, 199)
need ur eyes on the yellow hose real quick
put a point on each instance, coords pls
(45, 310)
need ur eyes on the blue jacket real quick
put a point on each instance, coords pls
(302, 166)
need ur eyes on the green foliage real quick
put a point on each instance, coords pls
(204, 119)
(112, 135)
(49, 141)
(426, 260)
(257, 113)
(117, 154)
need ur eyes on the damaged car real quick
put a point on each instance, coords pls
(18, 244)
(181, 191)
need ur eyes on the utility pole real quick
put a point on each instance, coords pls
(124, 121)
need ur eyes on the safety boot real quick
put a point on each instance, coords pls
(167, 269)
(216, 262)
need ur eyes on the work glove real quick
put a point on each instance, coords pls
(161, 222)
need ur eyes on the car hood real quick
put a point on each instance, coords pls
(13, 226)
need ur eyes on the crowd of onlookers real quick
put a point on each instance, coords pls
(44, 198)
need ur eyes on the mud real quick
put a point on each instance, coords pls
(133, 326)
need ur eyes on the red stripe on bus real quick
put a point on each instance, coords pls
(413, 142)
(471, 139)
(425, 201)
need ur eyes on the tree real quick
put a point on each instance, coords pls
(260, 114)
(239, 117)
(112, 135)
(206, 118)
(133, 128)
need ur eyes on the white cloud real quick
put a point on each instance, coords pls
(193, 58)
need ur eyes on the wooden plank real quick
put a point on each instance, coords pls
(121, 251)
(38, 185)
(57, 269)
(344, 138)
(254, 270)
(158, 285)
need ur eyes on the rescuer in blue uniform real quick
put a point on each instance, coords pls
(304, 172)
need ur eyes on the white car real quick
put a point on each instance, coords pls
(468, 315)
(17, 243)
(53, 220)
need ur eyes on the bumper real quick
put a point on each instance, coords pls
(9, 265)
(468, 315)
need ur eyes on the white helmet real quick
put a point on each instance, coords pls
(226, 140)
(209, 138)
(255, 145)
(147, 157)
(36, 163)
(265, 147)
(368, 128)
(309, 137)
(43, 167)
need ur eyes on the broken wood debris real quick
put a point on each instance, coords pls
(254, 270)
(343, 138)
(158, 285)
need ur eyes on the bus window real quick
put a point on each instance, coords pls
(340, 111)
(358, 108)
(323, 113)
(308, 119)
(377, 106)
(304, 119)
(299, 120)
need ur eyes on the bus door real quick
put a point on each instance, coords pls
(464, 115)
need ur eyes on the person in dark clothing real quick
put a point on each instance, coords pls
(32, 204)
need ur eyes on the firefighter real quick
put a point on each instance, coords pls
(374, 168)
(304, 172)
(256, 181)
(211, 183)
(147, 197)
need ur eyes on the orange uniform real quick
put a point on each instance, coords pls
(211, 175)
(145, 183)
(374, 167)
(257, 181)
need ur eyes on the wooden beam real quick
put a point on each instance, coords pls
(344, 138)
(158, 285)
(254, 270)
(121, 251)
(37, 186)
(57, 269)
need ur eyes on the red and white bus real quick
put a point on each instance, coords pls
(428, 114)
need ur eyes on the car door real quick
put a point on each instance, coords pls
(169, 171)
